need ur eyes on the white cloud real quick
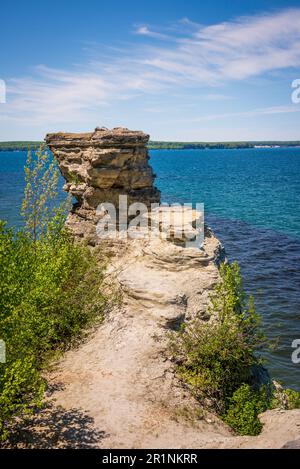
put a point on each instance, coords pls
(145, 31)
(239, 49)
(272, 110)
(196, 55)
(216, 97)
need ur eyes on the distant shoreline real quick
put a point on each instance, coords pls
(161, 145)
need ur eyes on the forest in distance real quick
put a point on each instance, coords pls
(164, 145)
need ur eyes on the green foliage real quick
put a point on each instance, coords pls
(293, 398)
(51, 288)
(216, 357)
(41, 176)
(244, 407)
(286, 399)
(22, 389)
(19, 145)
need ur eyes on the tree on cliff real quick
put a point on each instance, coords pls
(41, 176)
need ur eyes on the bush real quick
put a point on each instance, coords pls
(215, 361)
(293, 398)
(41, 177)
(216, 357)
(244, 407)
(50, 289)
(285, 399)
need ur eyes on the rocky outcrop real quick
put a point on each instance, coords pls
(99, 166)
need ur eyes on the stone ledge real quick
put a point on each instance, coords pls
(101, 137)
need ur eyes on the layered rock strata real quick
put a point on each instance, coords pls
(99, 166)
(179, 224)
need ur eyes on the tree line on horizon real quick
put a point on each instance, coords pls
(167, 145)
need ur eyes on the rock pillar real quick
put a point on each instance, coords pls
(98, 167)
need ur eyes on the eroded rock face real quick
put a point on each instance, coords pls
(99, 166)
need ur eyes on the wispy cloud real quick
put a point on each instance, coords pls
(216, 97)
(272, 110)
(145, 31)
(197, 56)
(239, 49)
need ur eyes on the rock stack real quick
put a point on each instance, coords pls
(98, 167)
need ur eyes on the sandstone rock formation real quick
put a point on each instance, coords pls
(99, 166)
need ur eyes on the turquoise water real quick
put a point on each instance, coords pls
(252, 202)
(258, 186)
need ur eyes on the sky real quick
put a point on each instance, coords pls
(179, 70)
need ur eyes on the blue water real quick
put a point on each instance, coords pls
(258, 186)
(252, 202)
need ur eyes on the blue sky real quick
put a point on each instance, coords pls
(179, 70)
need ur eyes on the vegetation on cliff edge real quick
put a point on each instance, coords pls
(50, 289)
(219, 359)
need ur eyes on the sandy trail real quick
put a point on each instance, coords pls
(122, 376)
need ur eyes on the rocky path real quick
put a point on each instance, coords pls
(122, 376)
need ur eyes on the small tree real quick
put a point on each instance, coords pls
(41, 176)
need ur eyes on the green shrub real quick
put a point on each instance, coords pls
(41, 176)
(215, 360)
(293, 398)
(285, 399)
(244, 407)
(51, 288)
(22, 390)
(216, 357)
